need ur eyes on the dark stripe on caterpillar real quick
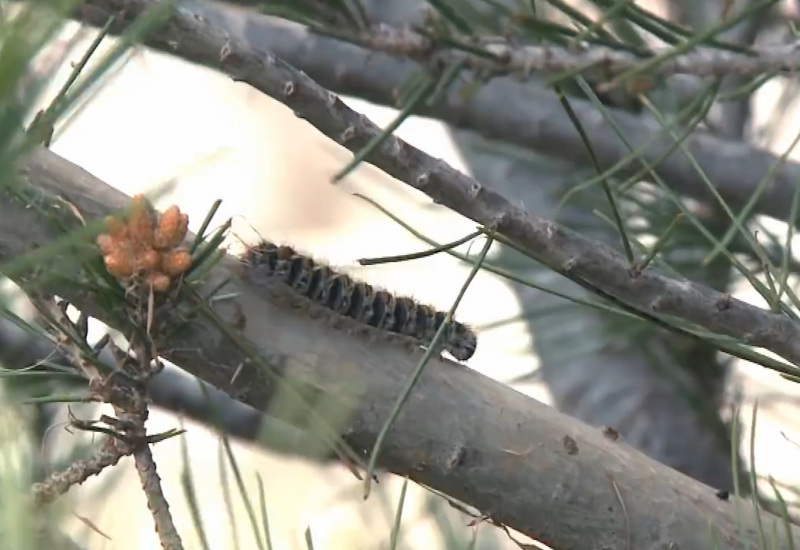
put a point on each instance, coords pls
(358, 300)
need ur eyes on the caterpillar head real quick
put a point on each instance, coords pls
(462, 342)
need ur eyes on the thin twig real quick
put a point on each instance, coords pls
(58, 483)
(128, 397)
(132, 412)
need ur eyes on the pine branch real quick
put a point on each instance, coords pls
(518, 462)
(525, 115)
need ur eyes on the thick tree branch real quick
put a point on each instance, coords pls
(525, 115)
(580, 259)
(519, 462)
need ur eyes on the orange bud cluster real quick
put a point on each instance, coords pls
(145, 248)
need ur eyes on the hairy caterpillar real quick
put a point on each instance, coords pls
(358, 300)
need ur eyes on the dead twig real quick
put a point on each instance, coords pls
(58, 483)
(143, 253)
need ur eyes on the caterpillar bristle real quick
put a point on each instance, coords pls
(358, 300)
(421, 323)
(363, 300)
(317, 282)
(384, 307)
(336, 294)
(405, 314)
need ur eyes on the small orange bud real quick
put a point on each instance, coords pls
(177, 261)
(159, 282)
(182, 229)
(167, 234)
(140, 228)
(148, 260)
(118, 265)
(116, 228)
(138, 202)
(106, 243)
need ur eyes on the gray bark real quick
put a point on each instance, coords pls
(519, 462)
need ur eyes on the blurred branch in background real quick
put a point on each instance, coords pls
(497, 57)
(173, 389)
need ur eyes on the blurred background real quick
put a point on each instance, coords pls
(156, 120)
